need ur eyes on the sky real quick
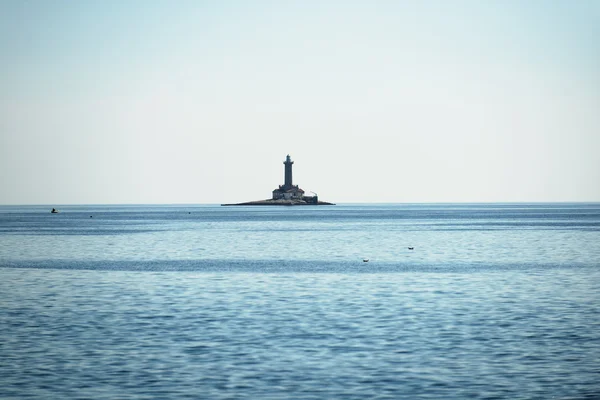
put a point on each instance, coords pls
(199, 102)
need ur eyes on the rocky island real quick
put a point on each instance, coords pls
(287, 194)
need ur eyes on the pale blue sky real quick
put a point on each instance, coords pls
(376, 101)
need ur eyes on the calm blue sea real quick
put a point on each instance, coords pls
(494, 301)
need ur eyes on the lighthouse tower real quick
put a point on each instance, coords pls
(288, 172)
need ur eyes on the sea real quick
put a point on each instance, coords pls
(353, 301)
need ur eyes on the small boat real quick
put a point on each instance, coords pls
(54, 211)
(411, 248)
(365, 260)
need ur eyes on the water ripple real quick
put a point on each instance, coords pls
(107, 334)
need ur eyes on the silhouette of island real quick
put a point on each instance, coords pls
(287, 194)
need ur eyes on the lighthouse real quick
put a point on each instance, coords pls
(287, 194)
(288, 191)
(288, 172)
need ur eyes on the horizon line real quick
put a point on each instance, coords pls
(337, 203)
